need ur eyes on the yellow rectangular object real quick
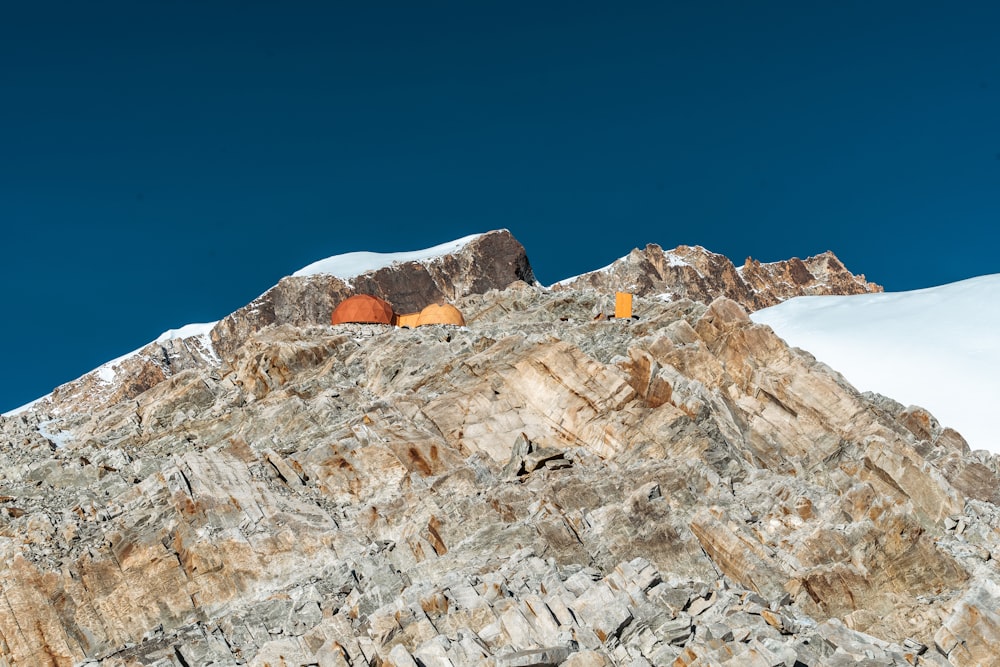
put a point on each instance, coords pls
(408, 320)
(623, 306)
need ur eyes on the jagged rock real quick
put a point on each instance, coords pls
(542, 456)
(699, 603)
(129, 376)
(694, 273)
(491, 261)
(541, 657)
(737, 553)
(676, 631)
(274, 652)
(536, 486)
(599, 610)
(971, 633)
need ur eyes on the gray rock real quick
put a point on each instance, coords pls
(540, 657)
(676, 631)
(295, 491)
(599, 610)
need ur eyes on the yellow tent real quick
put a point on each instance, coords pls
(623, 306)
(408, 320)
(443, 314)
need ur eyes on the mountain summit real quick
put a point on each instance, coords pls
(537, 487)
(691, 272)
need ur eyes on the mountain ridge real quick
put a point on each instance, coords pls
(696, 273)
(535, 488)
(409, 281)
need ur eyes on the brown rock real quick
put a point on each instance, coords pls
(492, 261)
(697, 274)
(737, 553)
(535, 480)
(971, 633)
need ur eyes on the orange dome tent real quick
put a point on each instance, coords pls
(407, 320)
(362, 308)
(445, 314)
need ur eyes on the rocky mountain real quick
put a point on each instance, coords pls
(472, 265)
(485, 262)
(535, 488)
(691, 272)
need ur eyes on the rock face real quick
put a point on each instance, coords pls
(535, 488)
(697, 274)
(126, 378)
(492, 261)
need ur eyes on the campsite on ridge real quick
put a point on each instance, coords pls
(543, 484)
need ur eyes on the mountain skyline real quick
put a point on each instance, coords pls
(166, 162)
(344, 265)
(544, 484)
(933, 348)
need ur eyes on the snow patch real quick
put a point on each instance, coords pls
(938, 348)
(106, 374)
(186, 331)
(353, 264)
(200, 331)
(59, 438)
(675, 260)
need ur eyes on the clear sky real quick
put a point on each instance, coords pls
(164, 162)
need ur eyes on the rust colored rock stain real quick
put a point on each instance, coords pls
(417, 461)
(434, 537)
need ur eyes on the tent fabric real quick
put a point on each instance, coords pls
(441, 314)
(363, 309)
(407, 320)
(623, 305)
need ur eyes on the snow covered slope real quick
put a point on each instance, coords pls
(938, 348)
(351, 264)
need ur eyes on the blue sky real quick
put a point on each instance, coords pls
(164, 162)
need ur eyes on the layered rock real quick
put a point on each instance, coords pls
(127, 377)
(691, 272)
(490, 261)
(536, 488)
